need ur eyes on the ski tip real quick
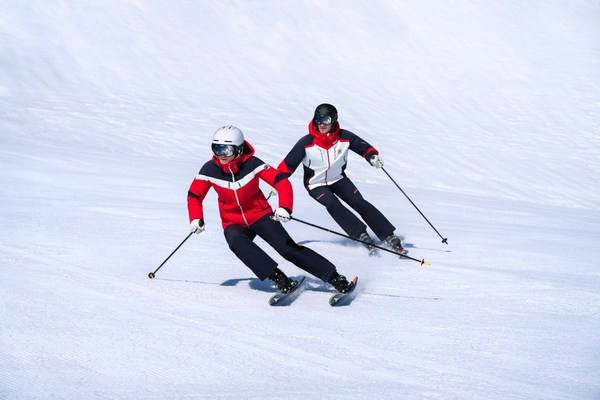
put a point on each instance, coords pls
(425, 263)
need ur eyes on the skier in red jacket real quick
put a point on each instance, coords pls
(234, 172)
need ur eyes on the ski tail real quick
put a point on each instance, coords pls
(285, 299)
(343, 299)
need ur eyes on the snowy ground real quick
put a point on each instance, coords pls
(486, 113)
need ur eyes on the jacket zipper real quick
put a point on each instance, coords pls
(237, 198)
(328, 165)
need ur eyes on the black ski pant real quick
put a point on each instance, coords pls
(241, 242)
(350, 223)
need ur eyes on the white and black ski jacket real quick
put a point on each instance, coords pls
(324, 156)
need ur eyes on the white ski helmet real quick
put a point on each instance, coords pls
(227, 141)
(228, 134)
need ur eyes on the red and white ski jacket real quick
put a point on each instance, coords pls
(240, 199)
(324, 156)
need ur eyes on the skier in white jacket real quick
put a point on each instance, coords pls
(324, 154)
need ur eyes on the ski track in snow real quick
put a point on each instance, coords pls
(485, 114)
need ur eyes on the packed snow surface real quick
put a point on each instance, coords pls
(486, 113)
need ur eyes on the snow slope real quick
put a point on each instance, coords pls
(486, 113)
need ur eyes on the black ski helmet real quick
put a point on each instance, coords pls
(325, 114)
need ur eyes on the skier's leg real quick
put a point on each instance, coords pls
(345, 189)
(344, 217)
(303, 257)
(240, 241)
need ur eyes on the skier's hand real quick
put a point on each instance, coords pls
(376, 161)
(197, 226)
(281, 215)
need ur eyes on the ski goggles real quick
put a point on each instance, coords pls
(223, 150)
(323, 120)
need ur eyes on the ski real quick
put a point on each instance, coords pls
(398, 249)
(412, 246)
(403, 252)
(341, 299)
(373, 251)
(365, 240)
(285, 299)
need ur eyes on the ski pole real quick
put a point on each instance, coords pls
(423, 262)
(152, 274)
(444, 240)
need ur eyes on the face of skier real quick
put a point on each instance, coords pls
(324, 128)
(225, 159)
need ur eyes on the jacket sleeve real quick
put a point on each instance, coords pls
(281, 184)
(293, 159)
(359, 146)
(196, 194)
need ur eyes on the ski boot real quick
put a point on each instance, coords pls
(284, 284)
(340, 283)
(394, 242)
(366, 241)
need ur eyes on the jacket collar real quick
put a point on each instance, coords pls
(325, 140)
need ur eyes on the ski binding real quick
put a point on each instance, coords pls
(285, 299)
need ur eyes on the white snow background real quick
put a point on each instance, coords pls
(485, 112)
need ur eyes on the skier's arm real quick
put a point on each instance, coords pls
(293, 159)
(281, 184)
(196, 194)
(358, 145)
